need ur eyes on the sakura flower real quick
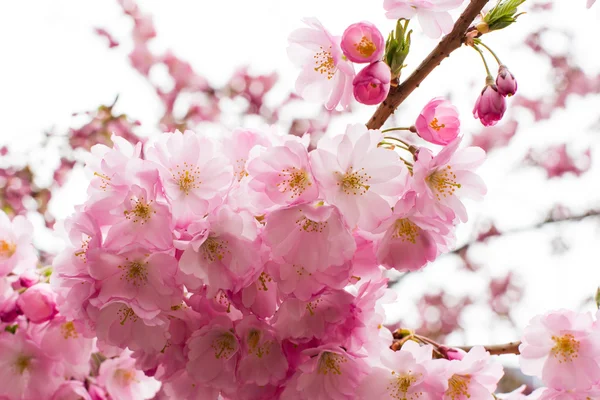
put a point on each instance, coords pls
(358, 177)
(25, 370)
(326, 76)
(442, 180)
(224, 250)
(194, 176)
(262, 360)
(474, 377)
(433, 15)
(183, 387)
(261, 297)
(123, 381)
(505, 81)
(71, 390)
(372, 83)
(438, 122)
(213, 354)
(410, 240)
(16, 252)
(38, 303)
(309, 237)
(562, 349)
(405, 376)
(284, 175)
(590, 3)
(329, 373)
(363, 43)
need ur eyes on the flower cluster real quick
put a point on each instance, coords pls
(44, 355)
(253, 266)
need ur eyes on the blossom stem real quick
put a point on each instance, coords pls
(398, 140)
(478, 41)
(487, 69)
(400, 128)
(498, 349)
(447, 45)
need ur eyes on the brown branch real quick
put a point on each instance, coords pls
(547, 221)
(447, 45)
(497, 349)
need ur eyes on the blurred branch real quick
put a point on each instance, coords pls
(497, 349)
(447, 45)
(547, 221)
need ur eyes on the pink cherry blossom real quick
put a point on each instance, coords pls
(442, 180)
(224, 251)
(38, 303)
(284, 175)
(490, 105)
(590, 3)
(326, 77)
(71, 390)
(194, 175)
(433, 15)
(213, 354)
(438, 122)
(25, 370)
(410, 240)
(554, 394)
(329, 373)
(562, 349)
(363, 43)
(261, 297)
(262, 360)
(372, 83)
(16, 252)
(505, 81)
(309, 237)
(405, 376)
(358, 177)
(183, 387)
(123, 381)
(474, 377)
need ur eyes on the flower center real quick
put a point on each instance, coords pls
(141, 211)
(566, 348)
(214, 249)
(434, 124)
(240, 169)
(308, 225)
(135, 273)
(324, 63)
(295, 180)
(68, 330)
(311, 306)
(354, 182)
(125, 313)
(365, 47)
(406, 230)
(7, 249)
(443, 182)
(458, 386)
(125, 376)
(104, 180)
(187, 178)
(84, 248)
(331, 363)
(254, 346)
(263, 279)
(400, 385)
(224, 345)
(22, 363)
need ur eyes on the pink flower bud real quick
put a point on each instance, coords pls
(363, 43)
(38, 303)
(506, 82)
(490, 105)
(372, 83)
(452, 353)
(438, 122)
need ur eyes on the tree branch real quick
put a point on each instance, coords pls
(447, 45)
(497, 349)
(547, 221)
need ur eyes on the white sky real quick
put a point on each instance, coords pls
(52, 64)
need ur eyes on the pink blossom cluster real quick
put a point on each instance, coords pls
(44, 355)
(250, 267)
(562, 348)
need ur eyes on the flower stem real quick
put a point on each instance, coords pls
(478, 41)
(400, 128)
(487, 69)
(398, 140)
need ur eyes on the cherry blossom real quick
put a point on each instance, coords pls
(433, 16)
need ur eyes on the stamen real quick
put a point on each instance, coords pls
(263, 279)
(295, 180)
(308, 225)
(566, 348)
(135, 273)
(443, 182)
(406, 230)
(354, 182)
(68, 330)
(125, 313)
(7, 249)
(22, 363)
(458, 386)
(331, 363)
(214, 249)
(224, 345)
(365, 47)
(325, 65)
(141, 210)
(434, 125)
(187, 177)
(400, 385)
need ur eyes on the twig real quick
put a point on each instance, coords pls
(447, 45)
(497, 349)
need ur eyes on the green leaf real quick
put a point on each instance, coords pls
(503, 14)
(597, 298)
(11, 328)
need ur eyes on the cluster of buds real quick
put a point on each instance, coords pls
(491, 103)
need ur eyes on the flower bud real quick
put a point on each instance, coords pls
(506, 82)
(38, 303)
(452, 353)
(372, 83)
(438, 122)
(362, 43)
(490, 105)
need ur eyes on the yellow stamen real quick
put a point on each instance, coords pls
(566, 348)
(224, 345)
(400, 385)
(7, 249)
(354, 182)
(458, 386)
(324, 63)
(443, 182)
(406, 230)
(135, 273)
(365, 47)
(331, 363)
(295, 180)
(187, 177)
(434, 125)
(214, 249)
(22, 363)
(68, 330)
(141, 210)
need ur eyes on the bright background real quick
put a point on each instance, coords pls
(53, 64)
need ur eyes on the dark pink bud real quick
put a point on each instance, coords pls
(38, 303)
(372, 83)
(490, 105)
(506, 82)
(451, 353)
(363, 43)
